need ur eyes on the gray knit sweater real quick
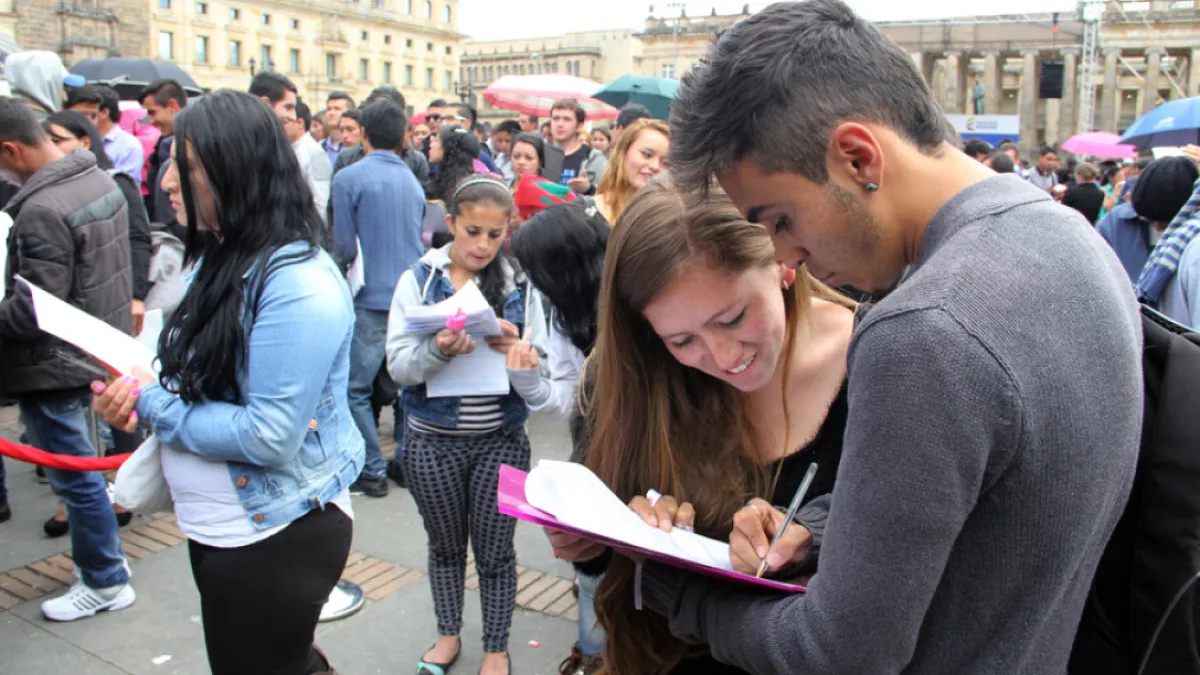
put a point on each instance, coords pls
(995, 413)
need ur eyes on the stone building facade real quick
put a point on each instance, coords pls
(79, 29)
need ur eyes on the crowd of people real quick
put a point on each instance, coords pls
(823, 276)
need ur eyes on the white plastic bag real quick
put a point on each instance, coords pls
(141, 486)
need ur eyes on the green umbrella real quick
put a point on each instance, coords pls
(656, 93)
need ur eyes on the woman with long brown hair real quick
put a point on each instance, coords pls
(637, 157)
(718, 377)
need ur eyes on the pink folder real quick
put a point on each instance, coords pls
(510, 495)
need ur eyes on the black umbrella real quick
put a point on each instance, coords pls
(129, 76)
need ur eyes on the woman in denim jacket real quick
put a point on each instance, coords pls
(455, 445)
(258, 446)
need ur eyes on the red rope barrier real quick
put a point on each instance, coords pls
(32, 455)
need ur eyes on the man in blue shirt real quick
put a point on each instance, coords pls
(1134, 227)
(102, 105)
(337, 103)
(378, 207)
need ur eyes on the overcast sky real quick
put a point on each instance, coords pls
(508, 19)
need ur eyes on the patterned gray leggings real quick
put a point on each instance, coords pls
(453, 480)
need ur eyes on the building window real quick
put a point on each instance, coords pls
(429, 78)
(448, 80)
(164, 4)
(266, 19)
(294, 60)
(387, 72)
(235, 54)
(449, 50)
(577, 70)
(166, 45)
(408, 42)
(570, 68)
(364, 69)
(234, 13)
(202, 8)
(522, 68)
(428, 9)
(364, 35)
(429, 46)
(387, 39)
(446, 14)
(266, 63)
(201, 49)
(408, 76)
(668, 70)
(331, 65)
(295, 24)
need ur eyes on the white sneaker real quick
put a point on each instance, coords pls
(81, 602)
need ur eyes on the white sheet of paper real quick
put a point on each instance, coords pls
(6, 223)
(152, 325)
(90, 334)
(481, 318)
(356, 275)
(480, 373)
(573, 494)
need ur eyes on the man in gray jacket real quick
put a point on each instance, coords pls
(995, 393)
(70, 237)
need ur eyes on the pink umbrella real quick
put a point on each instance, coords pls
(1099, 144)
(534, 94)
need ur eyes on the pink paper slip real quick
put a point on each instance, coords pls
(510, 496)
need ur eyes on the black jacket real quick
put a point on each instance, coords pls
(70, 236)
(1086, 198)
(140, 245)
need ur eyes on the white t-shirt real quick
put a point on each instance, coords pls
(207, 507)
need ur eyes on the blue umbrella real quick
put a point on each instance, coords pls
(656, 93)
(1173, 123)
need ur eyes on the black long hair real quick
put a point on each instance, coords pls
(487, 189)
(538, 144)
(562, 251)
(262, 203)
(460, 149)
(79, 126)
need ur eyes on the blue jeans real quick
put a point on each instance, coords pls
(591, 634)
(366, 355)
(60, 426)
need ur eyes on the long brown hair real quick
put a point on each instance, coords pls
(655, 423)
(614, 184)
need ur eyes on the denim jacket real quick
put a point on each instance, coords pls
(290, 444)
(413, 359)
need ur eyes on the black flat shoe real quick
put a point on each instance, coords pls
(124, 519)
(56, 528)
(430, 668)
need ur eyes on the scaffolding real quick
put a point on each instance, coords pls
(1092, 13)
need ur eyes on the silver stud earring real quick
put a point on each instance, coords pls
(871, 187)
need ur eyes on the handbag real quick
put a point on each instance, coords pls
(141, 486)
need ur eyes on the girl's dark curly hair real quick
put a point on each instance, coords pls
(460, 149)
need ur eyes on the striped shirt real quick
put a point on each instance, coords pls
(477, 415)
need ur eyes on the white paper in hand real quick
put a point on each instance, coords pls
(481, 318)
(66, 322)
(573, 494)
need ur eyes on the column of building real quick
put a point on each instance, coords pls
(1109, 94)
(1028, 102)
(1068, 124)
(1150, 86)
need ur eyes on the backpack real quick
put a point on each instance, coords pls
(1142, 614)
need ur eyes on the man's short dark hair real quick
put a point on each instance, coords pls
(1143, 162)
(85, 94)
(383, 125)
(570, 104)
(165, 90)
(339, 95)
(1047, 150)
(467, 112)
(387, 93)
(437, 103)
(1002, 163)
(304, 114)
(977, 147)
(533, 119)
(510, 127)
(630, 113)
(18, 124)
(110, 102)
(272, 86)
(776, 85)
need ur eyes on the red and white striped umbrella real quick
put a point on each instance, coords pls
(534, 94)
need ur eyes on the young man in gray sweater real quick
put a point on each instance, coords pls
(995, 393)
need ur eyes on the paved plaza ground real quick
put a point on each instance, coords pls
(161, 633)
